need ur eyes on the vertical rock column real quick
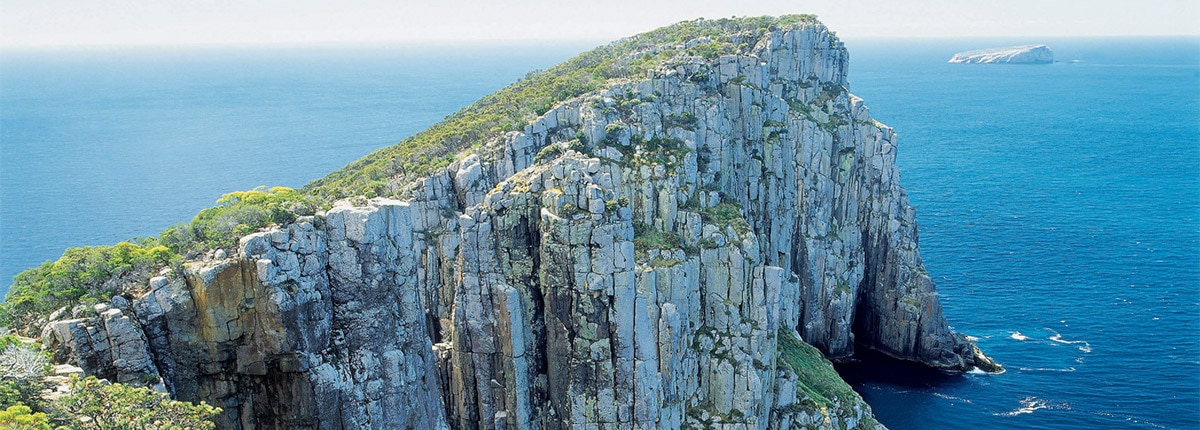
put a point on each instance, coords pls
(381, 365)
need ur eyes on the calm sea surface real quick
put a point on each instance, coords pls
(1059, 205)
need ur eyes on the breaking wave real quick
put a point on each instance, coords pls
(1032, 404)
(1084, 346)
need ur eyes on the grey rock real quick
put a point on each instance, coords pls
(109, 347)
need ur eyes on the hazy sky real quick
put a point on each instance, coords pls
(26, 23)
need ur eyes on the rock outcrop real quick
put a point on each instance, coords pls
(637, 257)
(108, 345)
(1026, 54)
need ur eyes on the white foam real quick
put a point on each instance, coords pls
(977, 371)
(1018, 336)
(1084, 347)
(1028, 406)
(1048, 369)
(954, 398)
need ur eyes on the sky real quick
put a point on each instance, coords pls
(70, 23)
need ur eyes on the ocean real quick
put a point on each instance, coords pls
(1059, 205)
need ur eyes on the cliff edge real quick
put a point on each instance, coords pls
(662, 248)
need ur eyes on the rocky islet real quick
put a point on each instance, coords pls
(1025, 54)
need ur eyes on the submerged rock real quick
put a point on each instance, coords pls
(1026, 54)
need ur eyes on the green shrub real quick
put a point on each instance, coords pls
(21, 417)
(94, 404)
(238, 214)
(93, 274)
(23, 370)
(711, 50)
(88, 274)
(726, 214)
(548, 153)
(646, 238)
(684, 120)
(668, 152)
(14, 392)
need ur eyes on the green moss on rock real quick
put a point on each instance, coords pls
(817, 377)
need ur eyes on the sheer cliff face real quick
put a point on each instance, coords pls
(630, 259)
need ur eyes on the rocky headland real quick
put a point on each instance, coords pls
(1025, 54)
(682, 242)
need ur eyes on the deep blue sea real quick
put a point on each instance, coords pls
(1059, 205)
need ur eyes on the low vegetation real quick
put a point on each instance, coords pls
(93, 274)
(817, 377)
(382, 172)
(87, 274)
(726, 214)
(91, 403)
(21, 417)
(23, 368)
(646, 238)
(235, 215)
(97, 404)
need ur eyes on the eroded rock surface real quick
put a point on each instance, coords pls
(109, 345)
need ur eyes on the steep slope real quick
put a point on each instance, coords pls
(647, 251)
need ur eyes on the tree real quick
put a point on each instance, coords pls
(97, 404)
(22, 362)
(22, 373)
(20, 417)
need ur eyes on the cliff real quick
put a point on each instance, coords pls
(657, 252)
(1027, 54)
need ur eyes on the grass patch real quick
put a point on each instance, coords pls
(646, 238)
(817, 378)
(665, 151)
(684, 120)
(726, 214)
(664, 262)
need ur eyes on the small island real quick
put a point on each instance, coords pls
(1026, 54)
